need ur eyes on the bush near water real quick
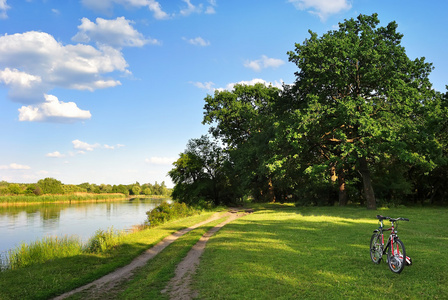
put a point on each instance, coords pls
(169, 211)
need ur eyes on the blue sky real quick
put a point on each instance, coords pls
(110, 91)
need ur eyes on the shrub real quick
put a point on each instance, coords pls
(169, 211)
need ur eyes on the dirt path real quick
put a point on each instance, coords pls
(179, 285)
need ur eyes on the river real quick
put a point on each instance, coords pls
(33, 222)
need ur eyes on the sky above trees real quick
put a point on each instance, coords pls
(111, 91)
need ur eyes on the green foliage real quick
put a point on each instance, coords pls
(360, 122)
(201, 175)
(104, 240)
(50, 186)
(41, 251)
(169, 211)
(15, 189)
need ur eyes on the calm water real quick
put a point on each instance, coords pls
(29, 223)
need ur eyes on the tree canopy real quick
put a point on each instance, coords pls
(360, 117)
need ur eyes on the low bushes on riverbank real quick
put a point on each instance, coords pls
(5, 200)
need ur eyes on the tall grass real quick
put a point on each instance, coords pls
(50, 248)
(59, 198)
(41, 251)
(104, 240)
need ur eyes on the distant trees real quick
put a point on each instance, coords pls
(54, 186)
(360, 124)
(50, 186)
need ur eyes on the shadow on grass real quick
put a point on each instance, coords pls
(320, 253)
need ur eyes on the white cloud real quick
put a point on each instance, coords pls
(117, 33)
(229, 87)
(83, 146)
(263, 63)
(3, 8)
(205, 85)
(198, 41)
(211, 8)
(53, 110)
(322, 8)
(106, 6)
(161, 160)
(277, 84)
(190, 8)
(33, 63)
(14, 166)
(55, 154)
(113, 147)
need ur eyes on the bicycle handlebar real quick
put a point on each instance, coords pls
(380, 217)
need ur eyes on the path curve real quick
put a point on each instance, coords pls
(109, 281)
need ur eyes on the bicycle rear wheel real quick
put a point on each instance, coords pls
(397, 261)
(376, 249)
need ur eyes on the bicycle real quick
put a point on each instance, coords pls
(394, 246)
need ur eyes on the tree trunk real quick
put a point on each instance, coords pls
(367, 183)
(342, 190)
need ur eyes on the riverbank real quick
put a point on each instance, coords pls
(69, 198)
(46, 280)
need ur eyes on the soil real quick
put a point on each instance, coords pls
(179, 286)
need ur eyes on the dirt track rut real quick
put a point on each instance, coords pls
(179, 286)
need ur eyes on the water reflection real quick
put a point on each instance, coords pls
(32, 222)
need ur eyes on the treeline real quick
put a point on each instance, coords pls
(360, 124)
(51, 186)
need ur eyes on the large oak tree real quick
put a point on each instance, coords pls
(358, 97)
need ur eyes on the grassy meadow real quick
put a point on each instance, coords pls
(323, 253)
(278, 252)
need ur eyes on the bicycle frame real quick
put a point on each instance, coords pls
(390, 240)
(390, 244)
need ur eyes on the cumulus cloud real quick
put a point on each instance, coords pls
(198, 41)
(117, 33)
(55, 154)
(32, 63)
(161, 160)
(3, 8)
(14, 166)
(106, 6)
(53, 110)
(322, 8)
(263, 63)
(83, 146)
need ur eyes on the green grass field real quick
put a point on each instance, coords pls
(278, 252)
(323, 253)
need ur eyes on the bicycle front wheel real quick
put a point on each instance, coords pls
(376, 249)
(396, 257)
